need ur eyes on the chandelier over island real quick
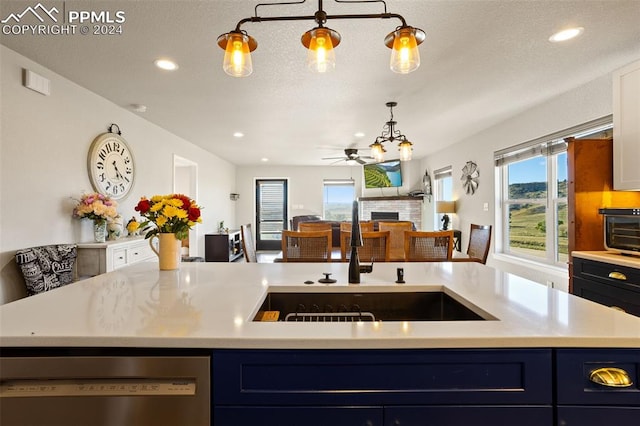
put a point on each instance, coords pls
(321, 41)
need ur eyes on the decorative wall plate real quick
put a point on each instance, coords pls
(470, 177)
(426, 185)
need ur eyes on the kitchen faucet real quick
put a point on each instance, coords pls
(356, 241)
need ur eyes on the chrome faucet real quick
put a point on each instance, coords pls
(356, 241)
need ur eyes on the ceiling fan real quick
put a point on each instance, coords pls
(351, 154)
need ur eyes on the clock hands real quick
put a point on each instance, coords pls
(118, 174)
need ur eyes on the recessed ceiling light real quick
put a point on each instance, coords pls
(359, 135)
(166, 64)
(264, 159)
(238, 134)
(565, 35)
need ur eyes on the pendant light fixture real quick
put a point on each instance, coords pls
(390, 134)
(321, 41)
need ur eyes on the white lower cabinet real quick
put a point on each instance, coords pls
(98, 258)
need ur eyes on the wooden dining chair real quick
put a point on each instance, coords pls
(306, 246)
(479, 242)
(248, 247)
(422, 246)
(375, 246)
(397, 230)
(314, 226)
(364, 226)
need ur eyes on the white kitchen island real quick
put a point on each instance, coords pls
(533, 360)
(206, 305)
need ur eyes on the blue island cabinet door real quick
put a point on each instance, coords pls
(598, 416)
(297, 416)
(469, 415)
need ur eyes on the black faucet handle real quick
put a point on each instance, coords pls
(326, 279)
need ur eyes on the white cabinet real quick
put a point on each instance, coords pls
(98, 258)
(626, 127)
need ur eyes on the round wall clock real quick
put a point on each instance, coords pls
(111, 166)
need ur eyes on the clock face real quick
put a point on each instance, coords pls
(111, 166)
(112, 305)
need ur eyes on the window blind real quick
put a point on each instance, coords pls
(443, 172)
(551, 144)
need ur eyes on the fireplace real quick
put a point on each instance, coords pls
(401, 207)
(385, 216)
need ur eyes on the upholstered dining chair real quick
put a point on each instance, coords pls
(47, 267)
(364, 226)
(422, 246)
(397, 230)
(314, 226)
(375, 246)
(479, 242)
(248, 247)
(306, 246)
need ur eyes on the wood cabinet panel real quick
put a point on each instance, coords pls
(590, 187)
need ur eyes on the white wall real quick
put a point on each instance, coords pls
(588, 102)
(44, 141)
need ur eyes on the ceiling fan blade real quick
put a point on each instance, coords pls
(333, 158)
(360, 160)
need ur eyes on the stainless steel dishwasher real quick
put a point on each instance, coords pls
(105, 390)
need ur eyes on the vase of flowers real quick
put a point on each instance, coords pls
(173, 216)
(98, 208)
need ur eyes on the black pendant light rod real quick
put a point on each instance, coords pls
(320, 16)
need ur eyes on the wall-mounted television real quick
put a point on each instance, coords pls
(386, 174)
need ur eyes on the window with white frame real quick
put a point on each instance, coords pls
(533, 195)
(338, 196)
(443, 189)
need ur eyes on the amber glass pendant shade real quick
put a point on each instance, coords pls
(405, 56)
(405, 149)
(320, 43)
(377, 151)
(237, 54)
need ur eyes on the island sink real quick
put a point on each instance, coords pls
(365, 306)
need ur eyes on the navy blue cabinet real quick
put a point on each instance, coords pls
(298, 416)
(376, 387)
(461, 415)
(582, 402)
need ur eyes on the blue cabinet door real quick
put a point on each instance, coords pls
(297, 416)
(598, 416)
(469, 416)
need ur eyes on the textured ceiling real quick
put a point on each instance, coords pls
(482, 62)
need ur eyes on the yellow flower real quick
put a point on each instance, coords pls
(157, 207)
(160, 221)
(132, 226)
(157, 198)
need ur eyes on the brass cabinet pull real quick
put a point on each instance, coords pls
(618, 308)
(611, 377)
(617, 276)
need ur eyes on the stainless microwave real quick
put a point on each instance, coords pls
(622, 229)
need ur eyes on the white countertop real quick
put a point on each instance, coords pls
(610, 257)
(211, 305)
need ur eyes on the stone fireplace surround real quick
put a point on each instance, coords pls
(408, 208)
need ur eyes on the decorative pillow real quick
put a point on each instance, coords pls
(46, 267)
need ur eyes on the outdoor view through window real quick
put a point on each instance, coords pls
(537, 207)
(338, 199)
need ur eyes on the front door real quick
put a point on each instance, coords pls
(271, 213)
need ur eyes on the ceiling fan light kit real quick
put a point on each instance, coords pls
(321, 41)
(391, 134)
